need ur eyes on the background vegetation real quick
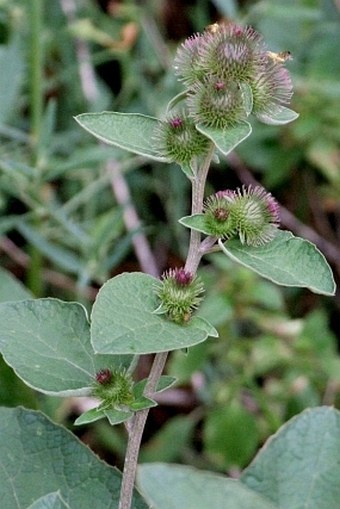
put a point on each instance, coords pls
(74, 213)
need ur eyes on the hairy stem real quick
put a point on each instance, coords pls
(136, 432)
(34, 272)
(136, 426)
(198, 187)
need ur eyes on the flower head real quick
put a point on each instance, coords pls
(187, 60)
(232, 52)
(179, 140)
(217, 218)
(254, 214)
(217, 103)
(113, 387)
(180, 293)
(271, 89)
(226, 58)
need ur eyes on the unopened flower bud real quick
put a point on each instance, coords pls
(217, 219)
(215, 103)
(104, 376)
(179, 140)
(255, 215)
(232, 52)
(179, 293)
(113, 387)
(271, 89)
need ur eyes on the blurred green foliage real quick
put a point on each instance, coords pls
(62, 229)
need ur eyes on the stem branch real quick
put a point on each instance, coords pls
(137, 425)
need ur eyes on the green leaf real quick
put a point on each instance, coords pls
(113, 415)
(92, 415)
(287, 261)
(47, 343)
(50, 501)
(230, 436)
(142, 403)
(247, 97)
(39, 457)
(278, 116)
(65, 258)
(117, 416)
(226, 139)
(12, 289)
(12, 67)
(176, 486)
(187, 170)
(123, 320)
(130, 131)
(164, 383)
(195, 222)
(299, 466)
(176, 100)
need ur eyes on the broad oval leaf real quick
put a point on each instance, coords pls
(166, 486)
(47, 343)
(39, 457)
(226, 139)
(124, 321)
(287, 261)
(130, 131)
(299, 466)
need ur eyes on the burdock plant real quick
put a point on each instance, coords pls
(228, 76)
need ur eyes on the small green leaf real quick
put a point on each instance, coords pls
(226, 139)
(123, 320)
(177, 486)
(113, 415)
(142, 403)
(175, 100)
(299, 466)
(165, 382)
(39, 457)
(130, 131)
(187, 170)
(287, 261)
(47, 343)
(247, 97)
(195, 222)
(278, 116)
(117, 416)
(92, 415)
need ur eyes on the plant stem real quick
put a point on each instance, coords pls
(135, 435)
(136, 427)
(198, 188)
(34, 273)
